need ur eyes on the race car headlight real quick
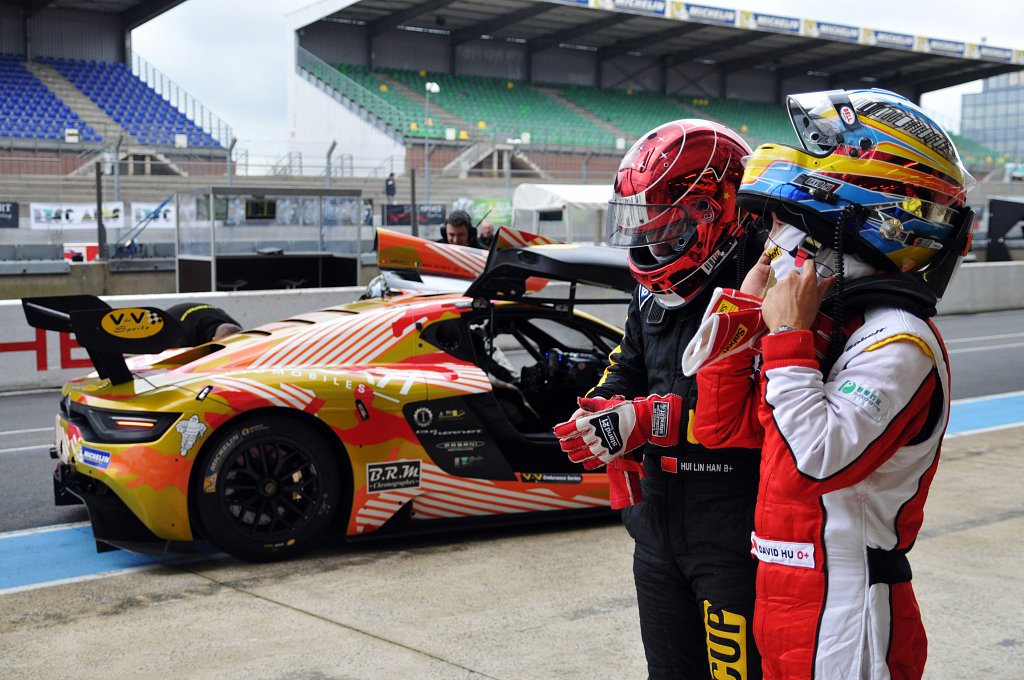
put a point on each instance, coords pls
(128, 426)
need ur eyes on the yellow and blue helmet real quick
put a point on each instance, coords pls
(876, 168)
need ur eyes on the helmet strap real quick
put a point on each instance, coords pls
(836, 338)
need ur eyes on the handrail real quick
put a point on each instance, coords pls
(345, 86)
(179, 98)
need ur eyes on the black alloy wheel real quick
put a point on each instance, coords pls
(269, 487)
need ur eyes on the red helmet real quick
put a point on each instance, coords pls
(674, 206)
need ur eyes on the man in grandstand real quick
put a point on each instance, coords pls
(849, 397)
(674, 207)
(389, 188)
(458, 230)
(202, 322)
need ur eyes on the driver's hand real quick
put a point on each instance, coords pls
(579, 413)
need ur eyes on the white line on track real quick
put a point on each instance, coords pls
(985, 348)
(23, 449)
(988, 397)
(34, 430)
(79, 579)
(982, 338)
(43, 530)
(994, 428)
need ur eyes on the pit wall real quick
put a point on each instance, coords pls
(34, 359)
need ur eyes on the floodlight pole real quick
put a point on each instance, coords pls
(231, 150)
(330, 150)
(117, 168)
(428, 87)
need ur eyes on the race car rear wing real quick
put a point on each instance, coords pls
(106, 333)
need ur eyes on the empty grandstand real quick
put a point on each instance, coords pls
(477, 96)
(29, 110)
(580, 81)
(136, 107)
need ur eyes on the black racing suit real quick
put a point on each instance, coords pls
(200, 321)
(692, 565)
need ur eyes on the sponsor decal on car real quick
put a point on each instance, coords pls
(191, 431)
(467, 461)
(460, 445)
(423, 416)
(133, 322)
(95, 458)
(551, 477)
(403, 474)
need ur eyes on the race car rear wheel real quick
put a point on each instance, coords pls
(267, 487)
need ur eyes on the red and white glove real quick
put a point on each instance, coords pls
(732, 322)
(614, 427)
(624, 475)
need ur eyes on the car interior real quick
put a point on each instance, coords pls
(538, 361)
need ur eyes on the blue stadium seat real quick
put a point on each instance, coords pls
(29, 108)
(135, 106)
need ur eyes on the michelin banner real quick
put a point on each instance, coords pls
(653, 7)
(702, 13)
(770, 22)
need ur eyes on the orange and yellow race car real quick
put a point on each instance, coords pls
(409, 409)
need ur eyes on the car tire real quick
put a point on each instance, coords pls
(267, 488)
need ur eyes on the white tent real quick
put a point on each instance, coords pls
(574, 212)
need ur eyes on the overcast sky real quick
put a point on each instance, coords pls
(235, 62)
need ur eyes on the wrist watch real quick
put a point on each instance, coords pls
(782, 329)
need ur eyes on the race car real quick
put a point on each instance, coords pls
(409, 410)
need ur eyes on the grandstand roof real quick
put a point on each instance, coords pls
(133, 13)
(848, 56)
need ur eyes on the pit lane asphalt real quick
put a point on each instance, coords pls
(552, 602)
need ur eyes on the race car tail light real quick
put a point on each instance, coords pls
(123, 427)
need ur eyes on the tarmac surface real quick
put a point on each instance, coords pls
(527, 604)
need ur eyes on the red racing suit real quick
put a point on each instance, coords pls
(845, 470)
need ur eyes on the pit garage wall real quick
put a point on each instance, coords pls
(32, 359)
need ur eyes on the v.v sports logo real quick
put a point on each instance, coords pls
(608, 431)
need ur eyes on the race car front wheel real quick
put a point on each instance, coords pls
(268, 487)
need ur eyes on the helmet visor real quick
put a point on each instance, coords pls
(630, 223)
(822, 119)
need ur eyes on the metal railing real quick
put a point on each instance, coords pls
(527, 132)
(333, 79)
(181, 100)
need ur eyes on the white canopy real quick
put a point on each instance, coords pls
(561, 196)
(582, 207)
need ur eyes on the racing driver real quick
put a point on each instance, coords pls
(870, 212)
(674, 207)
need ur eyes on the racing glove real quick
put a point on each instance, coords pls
(614, 427)
(731, 323)
(624, 475)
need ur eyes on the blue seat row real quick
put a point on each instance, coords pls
(28, 110)
(134, 105)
